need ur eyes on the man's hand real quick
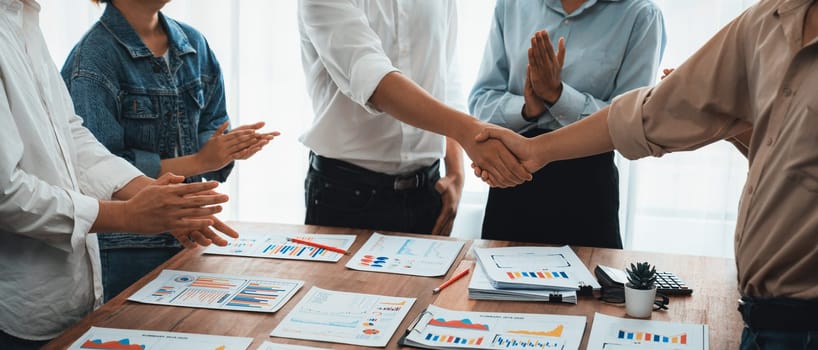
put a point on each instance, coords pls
(519, 145)
(534, 105)
(546, 67)
(497, 161)
(450, 187)
(166, 206)
(240, 143)
(206, 236)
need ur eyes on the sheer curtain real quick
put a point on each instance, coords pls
(683, 203)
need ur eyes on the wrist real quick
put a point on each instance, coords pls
(532, 110)
(465, 134)
(552, 98)
(112, 217)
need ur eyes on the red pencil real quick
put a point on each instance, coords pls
(451, 280)
(317, 245)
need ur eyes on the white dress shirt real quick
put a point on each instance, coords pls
(347, 47)
(51, 171)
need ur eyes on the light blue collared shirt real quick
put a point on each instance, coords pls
(612, 46)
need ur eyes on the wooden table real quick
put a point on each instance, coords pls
(713, 301)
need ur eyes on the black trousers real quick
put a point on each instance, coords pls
(572, 202)
(341, 194)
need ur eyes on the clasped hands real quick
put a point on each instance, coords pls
(543, 85)
(185, 209)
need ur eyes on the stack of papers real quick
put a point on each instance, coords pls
(549, 268)
(480, 288)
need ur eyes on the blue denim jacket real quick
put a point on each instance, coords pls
(142, 108)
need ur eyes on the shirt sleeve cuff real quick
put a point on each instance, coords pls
(569, 106)
(625, 124)
(86, 210)
(513, 114)
(112, 174)
(367, 73)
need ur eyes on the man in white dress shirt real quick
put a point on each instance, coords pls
(376, 72)
(57, 184)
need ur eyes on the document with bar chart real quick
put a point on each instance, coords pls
(275, 245)
(130, 339)
(614, 333)
(406, 255)
(342, 317)
(216, 291)
(439, 328)
(535, 268)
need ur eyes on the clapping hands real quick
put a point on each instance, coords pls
(240, 143)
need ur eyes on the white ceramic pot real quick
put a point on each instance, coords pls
(639, 302)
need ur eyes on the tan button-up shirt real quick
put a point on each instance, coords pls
(754, 72)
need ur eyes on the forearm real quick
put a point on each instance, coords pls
(134, 186)
(584, 138)
(111, 217)
(409, 103)
(186, 166)
(454, 160)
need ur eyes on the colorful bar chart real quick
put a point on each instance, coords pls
(210, 282)
(537, 274)
(294, 250)
(513, 341)
(257, 295)
(164, 291)
(653, 337)
(451, 339)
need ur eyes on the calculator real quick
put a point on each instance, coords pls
(667, 283)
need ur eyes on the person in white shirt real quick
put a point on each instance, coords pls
(57, 184)
(376, 72)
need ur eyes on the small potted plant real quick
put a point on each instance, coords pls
(640, 291)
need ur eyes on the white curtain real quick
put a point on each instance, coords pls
(683, 203)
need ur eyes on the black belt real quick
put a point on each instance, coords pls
(779, 314)
(341, 170)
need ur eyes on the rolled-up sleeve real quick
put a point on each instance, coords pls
(703, 101)
(348, 48)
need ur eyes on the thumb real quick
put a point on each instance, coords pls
(220, 130)
(487, 133)
(168, 179)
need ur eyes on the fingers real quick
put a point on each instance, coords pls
(545, 47)
(199, 201)
(185, 189)
(224, 228)
(254, 126)
(184, 238)
(169, 178)
(220, 131)
(444, 223)
(199, 238)
(561, 52)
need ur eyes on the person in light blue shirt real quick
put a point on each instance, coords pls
(605, 48)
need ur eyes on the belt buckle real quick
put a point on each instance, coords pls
(406, 183)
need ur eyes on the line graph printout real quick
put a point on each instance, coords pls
(275, 245)
(217, 291)
(130, 339)
(341, 317)
(405, 255)
(535, 267)
(439, 328)
(614, 333)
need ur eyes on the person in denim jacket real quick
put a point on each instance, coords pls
(151, 90)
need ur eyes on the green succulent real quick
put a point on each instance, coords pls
(641, 276)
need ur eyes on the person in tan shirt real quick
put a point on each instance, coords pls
(758, 75)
